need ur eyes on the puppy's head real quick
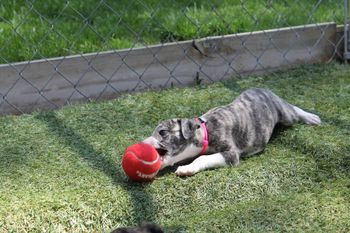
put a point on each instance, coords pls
(142, 228)
(173, 137)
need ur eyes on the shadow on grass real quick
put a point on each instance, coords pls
(142, 202)
(278, 130)
(331, 160)
(330, 163)
(233, 85)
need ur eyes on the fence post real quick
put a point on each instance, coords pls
(346, 30)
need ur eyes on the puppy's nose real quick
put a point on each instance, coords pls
(152, 141)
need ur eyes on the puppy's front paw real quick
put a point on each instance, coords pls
(186, 170)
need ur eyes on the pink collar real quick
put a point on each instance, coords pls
(206, 139)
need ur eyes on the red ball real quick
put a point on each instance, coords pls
(141, 162)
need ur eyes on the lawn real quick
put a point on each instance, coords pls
(49, 28)
(60, 170)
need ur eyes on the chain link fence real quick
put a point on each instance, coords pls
(54, 52)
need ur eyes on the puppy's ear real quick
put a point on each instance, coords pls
(188, 127)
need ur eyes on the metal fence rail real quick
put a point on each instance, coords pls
(112, 45)
(346, 30)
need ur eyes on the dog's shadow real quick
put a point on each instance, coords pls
(172, 169)
(167, 170)
(278, 130)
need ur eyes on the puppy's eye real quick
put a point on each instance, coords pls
(163, 133)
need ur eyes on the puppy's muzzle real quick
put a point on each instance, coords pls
(152, 141)
(156, 144)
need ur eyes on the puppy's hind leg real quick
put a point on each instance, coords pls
(288, 114)
(307, 117)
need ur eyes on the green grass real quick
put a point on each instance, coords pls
(48, 28)
(60, 171)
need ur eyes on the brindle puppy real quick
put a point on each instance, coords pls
(239, 129)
